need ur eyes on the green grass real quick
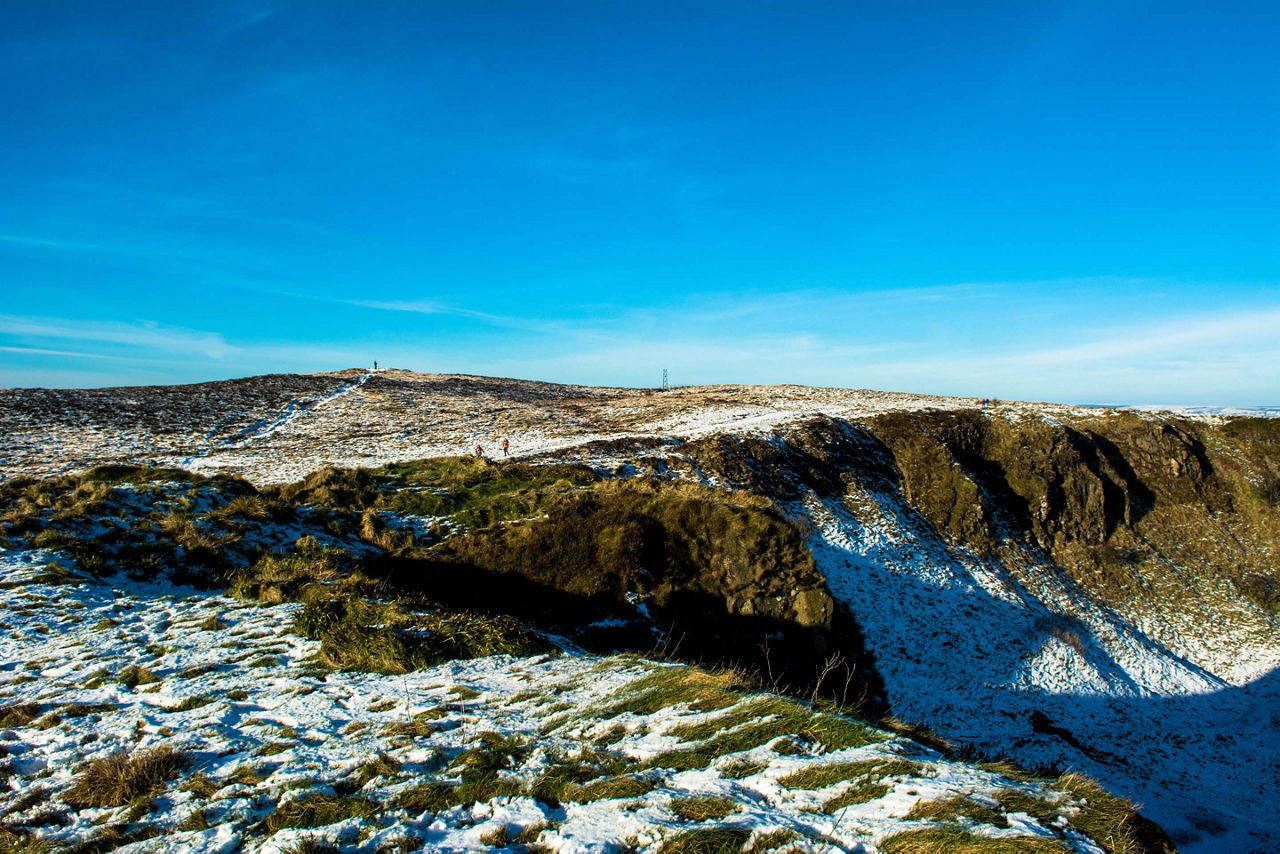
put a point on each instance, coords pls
(859, 793)
(111, 836)
(954, 808)
(1110, 821)
(294, 576)
(757, 722)
(79, 710)
(954, 840)
(15, 841)
(310, 846)
(319, 811)
(190, 703)
(493, 751)
(629, 533)
(611, 788)
(716, 840)
(246, 775)
(821, 776)
(133, 676)
(420, 726)
(699, 689)
(389, 638)
(551, 786)
(55, 573)
(385, 765)
(427, 797)
(772, 841)
(200, 785)
(474, 493)
(703, 808)
(737, 769)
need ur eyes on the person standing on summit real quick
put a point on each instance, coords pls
(505, 447)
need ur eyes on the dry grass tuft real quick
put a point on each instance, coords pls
(20, 714)
(118, 779)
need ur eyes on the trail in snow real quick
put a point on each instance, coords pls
(294, 410)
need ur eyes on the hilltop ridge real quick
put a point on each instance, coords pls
(280, 427)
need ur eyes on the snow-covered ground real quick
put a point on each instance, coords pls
(265, 733)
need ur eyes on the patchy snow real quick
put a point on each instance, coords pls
(1211, 411)
(281, 428)
(263, 728)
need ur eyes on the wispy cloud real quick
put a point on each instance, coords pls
(142, 335)
(243, 15)
(523, 324)
(1202, 358)
(1174, 338)
(38, 351)
(59, 244)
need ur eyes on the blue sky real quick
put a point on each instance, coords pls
(1072, 201)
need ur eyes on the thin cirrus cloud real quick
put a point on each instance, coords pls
(1181, 336)
(1182, 359)
(74, 354)
(504, 321)
(142, 335)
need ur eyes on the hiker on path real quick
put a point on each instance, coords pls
(479, 451)
(505, 447)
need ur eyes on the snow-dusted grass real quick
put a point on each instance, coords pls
(277, 429)
(558, 751)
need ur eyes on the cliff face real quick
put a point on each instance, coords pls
(1113, 501)
(1119, 502)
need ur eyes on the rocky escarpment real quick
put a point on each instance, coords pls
(1116, 501)
(1120, 502)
